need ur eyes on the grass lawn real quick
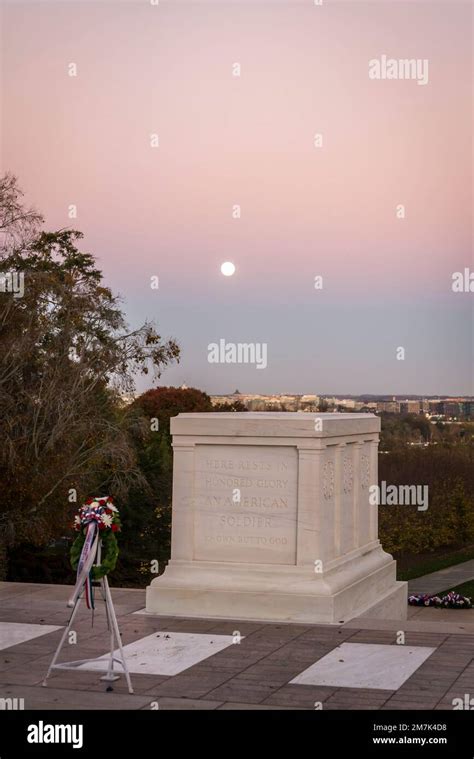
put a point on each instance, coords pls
(425, 565)
(465, 589)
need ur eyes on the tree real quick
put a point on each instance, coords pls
(18, 225)
(66, 356)
(234, 406)
(448, 523)
(162, 403)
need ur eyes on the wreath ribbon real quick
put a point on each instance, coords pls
(85, 554)
(110, 554)
(96, 516)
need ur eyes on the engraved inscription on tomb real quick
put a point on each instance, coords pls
(245, 503)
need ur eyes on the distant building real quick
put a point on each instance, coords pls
(388, 407)
(410, 407)
(467, 409)
(347, 403)
(452, 409)
(309, 402)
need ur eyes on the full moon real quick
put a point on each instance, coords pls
(227, 269)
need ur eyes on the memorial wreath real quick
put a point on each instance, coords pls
(449, 601)
(106, 516)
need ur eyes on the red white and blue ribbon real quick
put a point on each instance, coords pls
(84, 561)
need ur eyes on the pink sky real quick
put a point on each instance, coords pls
(249, 140)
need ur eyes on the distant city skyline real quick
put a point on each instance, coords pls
(181, 136)
(455, 410)
(389, 396)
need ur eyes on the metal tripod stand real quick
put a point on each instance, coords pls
(112, 625)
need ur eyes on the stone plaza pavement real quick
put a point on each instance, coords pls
(434, 666)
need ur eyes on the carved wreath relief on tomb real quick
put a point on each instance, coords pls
(347, 475)
(328, 480)
(364, 471)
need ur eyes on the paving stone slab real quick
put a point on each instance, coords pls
(244, 628)
(363, 664)
(337, 706)
(253, 693)
(82, 681)
(233, 706)
(278, 674)
(166, 654)
(409, 707)
(61, 698)
(183, 704)
(448, 623)
(275, 634)
(193, 685)
(301, 696)
(12, 633)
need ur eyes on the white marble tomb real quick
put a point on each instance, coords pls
(271, 520)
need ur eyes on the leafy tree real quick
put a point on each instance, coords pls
(234, 406)
(66, 357)
(448, 523)
(162, 403)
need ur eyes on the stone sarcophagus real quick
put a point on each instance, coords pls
(271, 520)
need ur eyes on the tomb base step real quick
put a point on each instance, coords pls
(300, 599)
